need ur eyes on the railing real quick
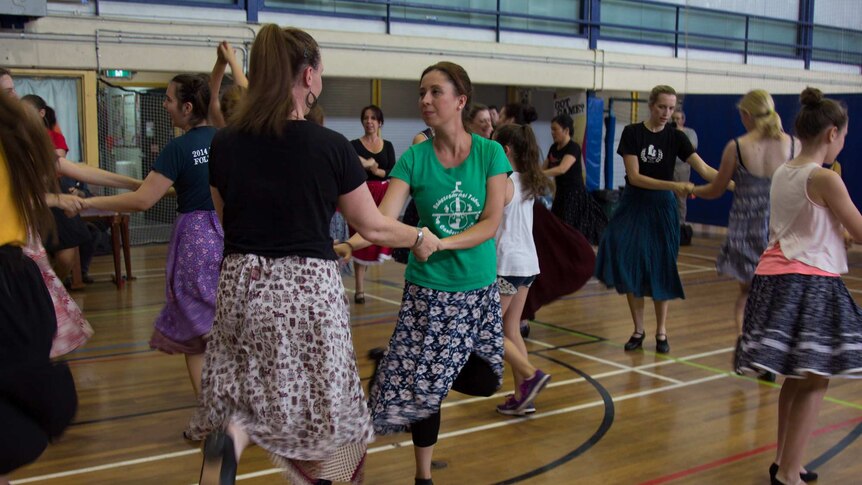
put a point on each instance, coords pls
(644, 21)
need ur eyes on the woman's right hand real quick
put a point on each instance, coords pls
(343, 250)
(430, 245)
(683, 189)
(70, 204)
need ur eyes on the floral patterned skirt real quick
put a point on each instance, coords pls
(73, 330)
(280, 362)
(435, 335)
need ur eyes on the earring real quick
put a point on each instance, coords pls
(310, 100)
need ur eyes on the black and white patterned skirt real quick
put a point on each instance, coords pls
(796, 325)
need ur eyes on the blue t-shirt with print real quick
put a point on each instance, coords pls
(450, 201)
(185, 160)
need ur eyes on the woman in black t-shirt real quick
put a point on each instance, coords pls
(572, 203)
(280, 366)
(378, 157)
(638, 251)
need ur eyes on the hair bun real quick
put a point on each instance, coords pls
(530, 114)
(811, 97)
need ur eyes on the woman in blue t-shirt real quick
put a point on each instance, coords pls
(451, 303)
(196, 243)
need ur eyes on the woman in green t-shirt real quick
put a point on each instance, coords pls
(451, 304)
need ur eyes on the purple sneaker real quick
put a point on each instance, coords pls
(510, 407)
(531, 388)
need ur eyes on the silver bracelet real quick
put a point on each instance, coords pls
(420, 235)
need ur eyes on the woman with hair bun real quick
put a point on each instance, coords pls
(196, 243)
(518, 113)
(749, 161)
(800, 320)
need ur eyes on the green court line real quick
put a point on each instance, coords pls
(690, 363)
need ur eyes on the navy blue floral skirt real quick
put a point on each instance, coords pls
(436, 333)
(797, 325)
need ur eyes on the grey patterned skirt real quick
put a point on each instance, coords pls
(280, 362)
(797, 325)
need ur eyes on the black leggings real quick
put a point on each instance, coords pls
(425, 432)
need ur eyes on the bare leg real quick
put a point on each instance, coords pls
(359, 276)
(423, 461)
(241, 439)
(195, 365)
(636, 307)
(741, 299)
(800, 422)
(64, 259)
(785, 402)
(660, 316)
(4, 481)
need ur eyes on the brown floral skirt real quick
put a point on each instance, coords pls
(280, 362)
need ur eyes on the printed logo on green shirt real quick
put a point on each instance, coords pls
(460, 210)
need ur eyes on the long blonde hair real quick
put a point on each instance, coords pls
(760, 106)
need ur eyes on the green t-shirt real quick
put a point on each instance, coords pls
(449, 201)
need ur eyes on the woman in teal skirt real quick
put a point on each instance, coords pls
(638, 251)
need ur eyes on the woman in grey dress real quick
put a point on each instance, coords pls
(749, 161)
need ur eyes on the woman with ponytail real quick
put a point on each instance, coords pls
(749, 161)
(280, 367)
(196, 243)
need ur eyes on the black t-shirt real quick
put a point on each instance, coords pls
(280, 192)
(573, 175)
(656, 152)
(184, 160)
(385, 158)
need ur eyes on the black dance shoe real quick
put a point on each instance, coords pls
(635, 342)
(219, 466)
(808, 476)
(661, 345)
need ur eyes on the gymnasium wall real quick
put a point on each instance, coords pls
(716, 121)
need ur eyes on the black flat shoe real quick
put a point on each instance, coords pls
(808, 476)
(219, 466)
(662, 346)
(423, 481)
(359, 297)
(635, 342)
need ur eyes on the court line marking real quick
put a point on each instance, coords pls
(378, 449)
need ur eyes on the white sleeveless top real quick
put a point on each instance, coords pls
(806, 231)
(516, 251)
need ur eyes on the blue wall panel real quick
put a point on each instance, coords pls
(716, 121)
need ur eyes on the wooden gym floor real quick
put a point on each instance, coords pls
(608, 417)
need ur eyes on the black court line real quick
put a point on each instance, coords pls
(568, 330)
(836, 449)
(604, 427)
(127, 416)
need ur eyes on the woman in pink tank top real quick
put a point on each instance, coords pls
(800, 321)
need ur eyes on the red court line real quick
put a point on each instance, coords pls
(741, 456)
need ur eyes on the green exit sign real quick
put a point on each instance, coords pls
(118, 74)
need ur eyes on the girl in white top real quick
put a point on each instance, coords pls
(800, 320)
(517, 262)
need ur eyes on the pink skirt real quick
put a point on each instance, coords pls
(373, 254)
(73, 330)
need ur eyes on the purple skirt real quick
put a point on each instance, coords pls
(192, 271)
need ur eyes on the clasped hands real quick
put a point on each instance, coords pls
(71, 205)
(429, 244)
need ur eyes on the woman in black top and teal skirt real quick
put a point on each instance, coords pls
(572, 203)
(378, 157)
(638, 251)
